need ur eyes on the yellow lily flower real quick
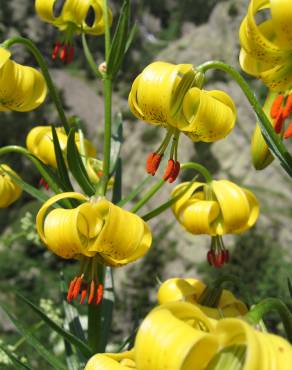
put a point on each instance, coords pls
(10, 191)
(73, 16)
(169, 95)
(173, 336)
(218, 208)
(39, 141)
(266, 47)
(95, 231)
(190, 290)
(22, 88)
(112, 361)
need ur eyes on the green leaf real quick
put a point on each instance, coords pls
(61, 165)
(290, 287)
(119, 42)
(34, 342)
(71, 358)
(89, 57)
(14, 359)
(117, 189)
(84, 349)
(131, 37)
(76, 165)
(167, 204)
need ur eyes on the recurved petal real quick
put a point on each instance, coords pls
(10, 191)
(124, 236)
(178, 289)
(198, 217)
(234, 206)
(179, 205)
(58, 229)
(112, 361)
(44, 9)
(279, 77)
(281, 11)
(210, 115)
(254, 210)
(4, 56)
(271, 351)
(169, 339)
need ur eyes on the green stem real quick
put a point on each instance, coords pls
(268, 305)
(150, 193)
(153, 190)
(134, 192)
(275, 143)
(107, 36)
(41, 62)
(95, 340)
(199, 168)
(20, 150)
(107, 83)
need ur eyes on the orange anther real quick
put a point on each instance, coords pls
(70, 290)
(278, 123)
(169, 169)
(83, 294)
(153, 162)
(77, 287)
(174, 173)
(288, 132)
(288, 107)
(70, 54)
(91, 293)
(276, 106)
(99, 294)
(56, 50)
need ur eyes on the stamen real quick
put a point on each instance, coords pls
(288, 107)
(70, 290)
(83, 293)
(91, 293)
(153, 162)
(77, 287)
(63, 53)
(175, 172)
(56, 50)
(278, 123)
(99, 294)
(288, 132)
(70, 54)
(276, 106)
(43, 183)
(169, 169)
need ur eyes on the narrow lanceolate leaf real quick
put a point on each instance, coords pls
(57, 328)
(131, 37)
(18, 364)
(71, 358)
(34, 342)
(117, 189)
(116, 142)
(290, 287)
(119, 42)
(61, 165)
(76, 165)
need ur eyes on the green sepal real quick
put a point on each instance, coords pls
(76, 165)
(119, 42)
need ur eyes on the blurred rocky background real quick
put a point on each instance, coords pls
(185, 31)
